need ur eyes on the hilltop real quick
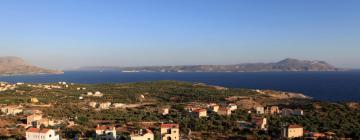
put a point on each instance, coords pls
(288, 64)
(17, 66)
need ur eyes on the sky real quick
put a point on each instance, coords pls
(67, 34)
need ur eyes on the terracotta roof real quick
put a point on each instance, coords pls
(294, 126)
(37, 130)
(169, 126)
(104, 128)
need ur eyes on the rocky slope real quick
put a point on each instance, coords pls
(17, 66)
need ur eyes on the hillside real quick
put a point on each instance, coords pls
(138, 106)
(17, 66)
(283, 65)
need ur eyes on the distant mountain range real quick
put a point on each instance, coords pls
(288, 64)
(17, 66)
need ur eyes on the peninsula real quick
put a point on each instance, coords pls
(17, 66)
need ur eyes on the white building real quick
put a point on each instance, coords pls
(33, 119)
(213, 107)
(93, 104)
(36, 120)
(98, 94)
(143, 134)
(118, 105)
(12, 110)
(286, 112)
(105, 132)
(62, 83)
(89, 93)
(224, 111)
(169, 132)
(41, 134)
(260, 110)
(105, 105)
(232, 107)
(292, 131)
(298, 112)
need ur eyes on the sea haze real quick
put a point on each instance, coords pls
(332, 86)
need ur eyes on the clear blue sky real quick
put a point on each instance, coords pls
(66, 34)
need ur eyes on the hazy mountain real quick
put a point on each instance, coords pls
(288, 64)
(17, 66)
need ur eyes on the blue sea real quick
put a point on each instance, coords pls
(330, 86)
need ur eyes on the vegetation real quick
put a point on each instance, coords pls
(65, 103)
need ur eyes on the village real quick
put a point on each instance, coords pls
(31, 123)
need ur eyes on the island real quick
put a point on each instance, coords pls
(288, 64)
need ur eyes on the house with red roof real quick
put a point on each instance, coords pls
(170, 132)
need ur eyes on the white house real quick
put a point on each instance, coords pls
(143, 134)
(292, 131)
(213, 107)
(105, 105)
(89, 93)
(93, 104)
(169, 132)
(98, 94)
(62, 83)
(232, 107)
(224, 111)
(260, 110)
(298, 112)
(105, 132)
(12, 110)
(36, 120)
(33, 119)
(41, 134)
